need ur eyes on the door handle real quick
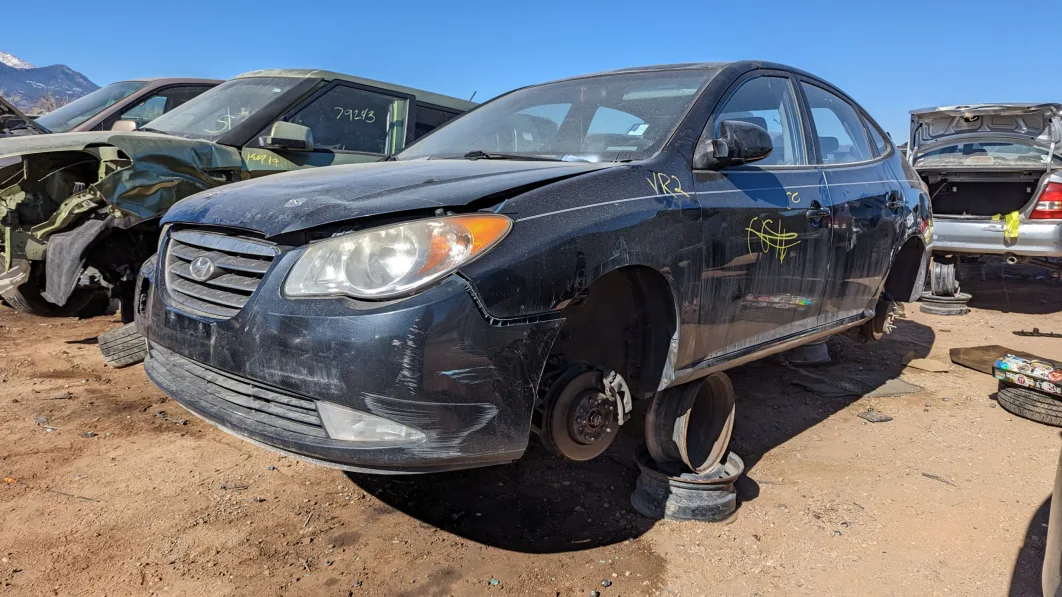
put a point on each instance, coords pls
(817, 211)
(895, 200)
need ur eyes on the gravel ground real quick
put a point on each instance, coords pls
(112, 489)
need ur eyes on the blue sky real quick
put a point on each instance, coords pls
(890, 56)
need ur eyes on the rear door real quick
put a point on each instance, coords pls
(864, 196)
(766, 226)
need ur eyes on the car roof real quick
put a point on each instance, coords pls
(737, 65)
(327, 75)
(173, 80)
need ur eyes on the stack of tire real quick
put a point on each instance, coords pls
(687, 472)
(944, 297)
(1030, 388)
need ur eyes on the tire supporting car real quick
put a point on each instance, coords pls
(27, 298)
(661, 493)
(692, 423)
(943, 277)
(945, 305)
(1030, 404)
(687, 472)
(122, 347)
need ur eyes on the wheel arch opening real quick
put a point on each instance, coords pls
(906, 278)
(626, 320)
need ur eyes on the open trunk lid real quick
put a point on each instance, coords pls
(1035, 124)
(8, 112)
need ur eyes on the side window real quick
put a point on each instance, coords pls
(429, 119)
(841, 136)
(160, 103)
(876, 137)
(350, 119)
(769, 102)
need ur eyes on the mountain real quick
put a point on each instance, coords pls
(32, 89)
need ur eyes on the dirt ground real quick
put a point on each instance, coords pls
(111, 489)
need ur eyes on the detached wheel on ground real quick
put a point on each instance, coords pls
(123, 346)
(1030, 404)
(945, 305)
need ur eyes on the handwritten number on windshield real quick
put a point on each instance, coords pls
(367, 115)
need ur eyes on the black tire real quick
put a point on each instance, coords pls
(123, 346)
(943, 279)
(1030, 404)
(945, 305)
(27, 299)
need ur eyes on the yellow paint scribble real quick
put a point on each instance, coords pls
(777, 239)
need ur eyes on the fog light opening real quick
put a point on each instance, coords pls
(350, 425)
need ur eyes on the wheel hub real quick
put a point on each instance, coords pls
(591, 417)
(579, 418)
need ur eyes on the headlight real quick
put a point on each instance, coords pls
(393, 260)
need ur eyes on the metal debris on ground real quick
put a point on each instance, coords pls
(63, 396)
(88, 434)
(1036, 333)
(606, 583)
(874, 416)
(494, 582)
(937, 478)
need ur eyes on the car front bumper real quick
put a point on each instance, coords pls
(985, 237)
(432, 362)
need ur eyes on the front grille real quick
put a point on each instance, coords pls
(235, 399)
(220, 283)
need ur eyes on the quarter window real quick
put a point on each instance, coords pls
(876, 137)
(769, 103)
(841, 136)
(350, 119)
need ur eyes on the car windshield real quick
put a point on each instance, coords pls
(223, 108)
(985, 153)
(67, 117)
(623, 116)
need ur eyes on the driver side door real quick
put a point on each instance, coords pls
(766, 226)
(350, 124)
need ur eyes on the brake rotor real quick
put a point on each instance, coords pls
(580, 420)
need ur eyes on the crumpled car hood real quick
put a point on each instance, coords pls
(1036, 123)
(165, 167)
(306, 199)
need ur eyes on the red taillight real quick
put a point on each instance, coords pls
(1049, 207)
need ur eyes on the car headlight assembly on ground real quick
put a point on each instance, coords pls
(396, 260)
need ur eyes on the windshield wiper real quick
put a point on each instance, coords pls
(151, 130)
(478, 154)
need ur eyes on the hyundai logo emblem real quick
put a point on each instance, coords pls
(202, 268)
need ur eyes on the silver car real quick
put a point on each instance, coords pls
(994, 173)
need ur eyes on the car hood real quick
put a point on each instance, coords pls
(164, 166)
(305, 199)
(7, 110)
(1037, 124)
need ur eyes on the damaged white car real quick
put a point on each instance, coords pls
(995, 178)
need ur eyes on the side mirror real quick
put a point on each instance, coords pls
(124, 126)
(739, 142)
(289, 136)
